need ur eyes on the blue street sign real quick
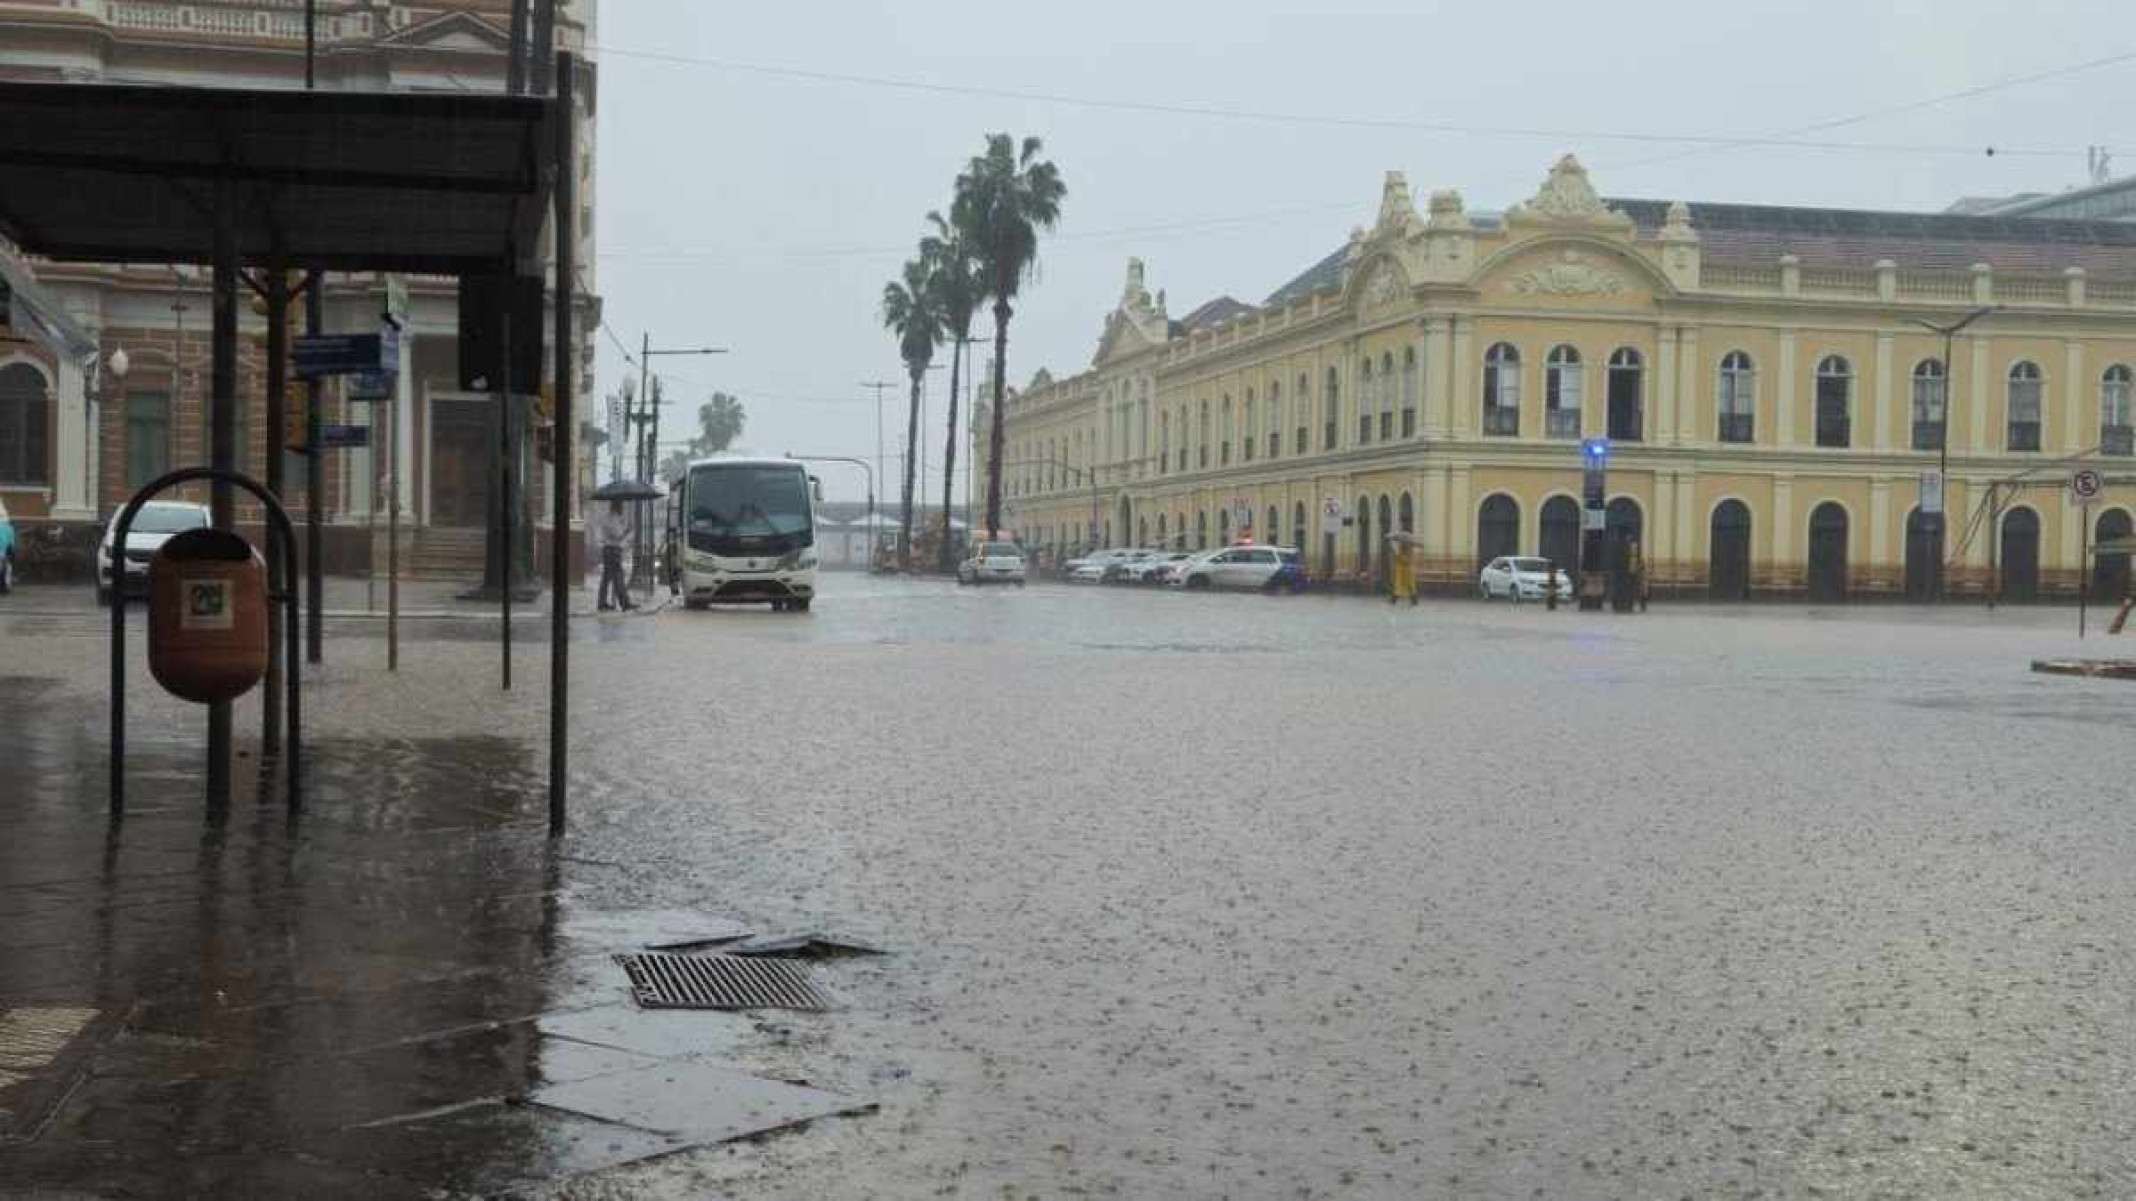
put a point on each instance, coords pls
(337, 354)
(343, 437)
(371, 385)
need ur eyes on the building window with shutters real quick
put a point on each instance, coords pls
(1627, 396)
(1561, 393)
(2117, 435)
(1738, 400)
(2024, 409)
(1409, 392)
(1501, 391)
(25, 426)
(1331, 409)
(1835, 402)
(1386, 398)
(1928, 404)
(1364, 404)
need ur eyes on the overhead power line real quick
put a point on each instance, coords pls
(1407, 124)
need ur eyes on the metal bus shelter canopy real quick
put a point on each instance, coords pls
(347, 181)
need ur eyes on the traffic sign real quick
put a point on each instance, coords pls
(344, 437)
(1595, 519)
(1331, 516)
(337, 354)
(2086, 484)
(371, 385)
(1931, 491)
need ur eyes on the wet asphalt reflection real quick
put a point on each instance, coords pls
(1309, 896)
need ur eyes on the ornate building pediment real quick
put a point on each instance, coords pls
(1137, 322)
(1567, 197)
(1570, 274)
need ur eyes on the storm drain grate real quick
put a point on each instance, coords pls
(719, 982)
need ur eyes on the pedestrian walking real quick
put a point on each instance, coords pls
(1402, 568)
(1636, 567)
(611, 534)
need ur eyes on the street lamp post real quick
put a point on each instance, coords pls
(1943, 432)
(641, 540)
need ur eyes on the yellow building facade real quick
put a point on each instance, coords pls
(1774, 401)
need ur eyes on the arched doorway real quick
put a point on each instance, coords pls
(1828, 552)
(2019, 568)
(1223, 527)
(1142, 532)
(1160, 529)
(1497, 528)
(2110, 573)
(1272, 533)
(1127, 522)
(1924, 555)
(1364, 537)
(1201, 530)
(1728, 552)
(1298, 526)
(1561, 534)
(1407, 514)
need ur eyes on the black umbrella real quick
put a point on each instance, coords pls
(627, 490)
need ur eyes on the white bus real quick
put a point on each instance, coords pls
(745, 530)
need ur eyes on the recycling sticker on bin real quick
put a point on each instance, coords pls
(206, 605)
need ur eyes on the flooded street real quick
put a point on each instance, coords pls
(1234, 896)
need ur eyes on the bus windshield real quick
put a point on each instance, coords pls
(748, 510)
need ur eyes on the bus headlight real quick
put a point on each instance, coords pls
(796, 560)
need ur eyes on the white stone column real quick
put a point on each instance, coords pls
(1437, 371)
(73, 478)
(1462, 393)
(1687, 518)
(1880, 562)
(1977, 393)
(1784, 392)
(1880, 437)
(2074, 396)
(1783, 525)
(361, 465)
(1665, 431)
(1687, 376)
(1432, 523)
(1461, 519)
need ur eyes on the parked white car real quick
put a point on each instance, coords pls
(152, 527)
(1091, 568)
(1158, 567)
(1257, 567)
(993, 563)
(1518, 578)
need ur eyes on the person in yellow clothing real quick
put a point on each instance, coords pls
(1402, 573)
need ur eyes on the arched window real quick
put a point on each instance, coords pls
(1497, 528)
(2024, 408)
(1627, 396)
(1827, 558)
(1250, 434)
(1835, 401)
(1203, 453)
(1201, 530)
(1738, 400)
(1560, 530)
(1223, 450)
(2018, 569)
(1303, 399)
(1365, 393)
(1275, 419)
(1407, 515)
(2110, 573)
(1409, 392)
(1928, 406)
(25, 426)
(1501, 391)
(1330, 409)
(2117, 433)
(1271, 533)
(1386, 397)
(1561, 393)
(1164, 441)
(1728, 551)
(1142, 531)
(1298, 526)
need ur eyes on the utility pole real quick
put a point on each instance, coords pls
(878, 385)
(1943, 434)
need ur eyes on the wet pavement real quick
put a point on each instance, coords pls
(1187, 896)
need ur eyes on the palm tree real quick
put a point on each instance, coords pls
(1004, 198)
(910, 311)
(958, 287)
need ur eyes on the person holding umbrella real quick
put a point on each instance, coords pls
(611, 534)
(1402, 572)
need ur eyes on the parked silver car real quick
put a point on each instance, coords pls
(1256, 567)
(993, 563)
(153, 526)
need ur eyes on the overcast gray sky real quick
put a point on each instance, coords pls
(763, 212)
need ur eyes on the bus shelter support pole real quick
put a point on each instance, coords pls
(564, 166)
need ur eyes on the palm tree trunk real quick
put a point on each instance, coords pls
(949, 453)
(994, 437)
(912, 465)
